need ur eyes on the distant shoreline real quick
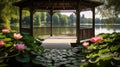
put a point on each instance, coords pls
(100, 24)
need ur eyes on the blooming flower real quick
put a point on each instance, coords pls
(17, 36)
(85, 44)
(2, 43)
(96, 39)
(5, 31)
(20, 47)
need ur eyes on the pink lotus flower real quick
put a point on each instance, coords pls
(5, 31)
(17, 36)
(96, 39)
(20, 47)
(85, 44)
(2, 43)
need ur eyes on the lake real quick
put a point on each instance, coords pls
(106, 29)
(71, 31)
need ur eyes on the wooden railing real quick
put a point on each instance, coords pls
(86, 33)
(25, 30)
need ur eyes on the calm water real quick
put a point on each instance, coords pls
(106, 29)
(71, 31)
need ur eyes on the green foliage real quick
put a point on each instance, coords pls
(43, 16)
(57, 57)
(24, 58)
(104, 53)
(110, 10)
(37, 19)
(56, 20)
(9, 51)
(6, 12)
(71, 20)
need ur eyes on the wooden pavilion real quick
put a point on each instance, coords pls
(51, 5)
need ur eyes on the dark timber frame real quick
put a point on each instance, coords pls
(51, 5)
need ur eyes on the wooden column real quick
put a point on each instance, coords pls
(51, 14)
(31, 21)
(78, 23)
(20, 20)
(93, 24)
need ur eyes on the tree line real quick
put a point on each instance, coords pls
(9, 14)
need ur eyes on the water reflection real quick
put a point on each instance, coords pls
(71, 31)
(67, 31)
(106, 29)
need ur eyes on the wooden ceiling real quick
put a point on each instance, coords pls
(83, 5)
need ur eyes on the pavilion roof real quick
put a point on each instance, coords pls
(58, 4)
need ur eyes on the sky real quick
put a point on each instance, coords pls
(88, 14)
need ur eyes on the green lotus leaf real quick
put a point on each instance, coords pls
(2, 36)
(7, 39)
(1, 33)
(8, 45)
(114, 48)
(106, 57)
(108, 40)
(24, 58)
(94, 59)
(37, 61)
(85, 65)
(116, 58)
(1, 61)
(3, 65)
(92, 46)
(92, 55)
(104, 51)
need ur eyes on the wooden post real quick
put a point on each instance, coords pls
(31, 21)
(20, 20)
(78, 24)
(51, 14)
(93, 24)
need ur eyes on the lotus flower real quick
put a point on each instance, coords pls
(85, 44)
(96, 39)
(5, 31)
(20, 47)
(17, 36)
(2, 43)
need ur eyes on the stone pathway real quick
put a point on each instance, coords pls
(58, 42)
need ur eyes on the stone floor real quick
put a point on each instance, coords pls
(59, 42)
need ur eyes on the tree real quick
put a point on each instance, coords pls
(48, 19)
(64, 20)
(55, 20)
(43, 16)
(72, 19)
(97, 21)
(36, 19)
(110, 10)
(7, 10)
(82, 19)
